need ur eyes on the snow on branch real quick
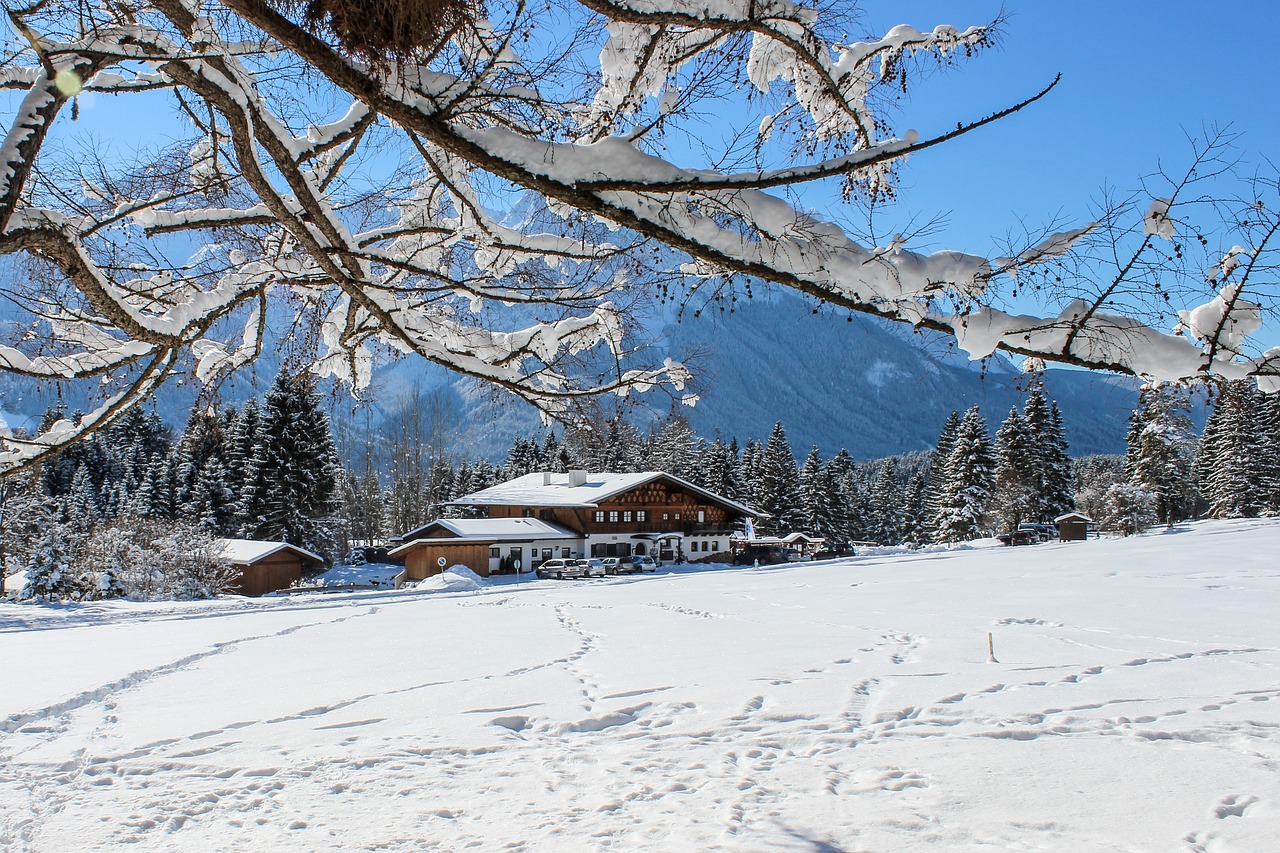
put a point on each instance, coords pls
(476, 200)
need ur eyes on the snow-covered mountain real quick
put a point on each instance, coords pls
(858, 383)
(871, 387)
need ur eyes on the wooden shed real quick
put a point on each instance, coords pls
(266, 566)
(1073, 527)
(432, 555)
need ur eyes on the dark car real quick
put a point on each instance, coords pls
(1020, 537)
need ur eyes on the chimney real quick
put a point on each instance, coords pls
(546, 478)
(577, 478)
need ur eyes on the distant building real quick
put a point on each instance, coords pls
(1073, 526)
(540, 516)
(265, 566)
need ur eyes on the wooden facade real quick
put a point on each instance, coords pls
(422, 558)
(272, 573)
(1073, 527)
(659, 506)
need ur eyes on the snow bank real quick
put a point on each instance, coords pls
(454, 579)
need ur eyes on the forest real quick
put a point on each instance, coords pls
(137, 509)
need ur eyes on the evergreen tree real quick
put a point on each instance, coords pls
(969, 477)
(1230, 451)
(48, 572)
(815, 491)
(936, 483)
(915, 524)
(721, 470)
(1016, 494)
(886, 506)
(1057, 473)
(779, 494)
(672, 448)
(1161, 453)
(292, 474)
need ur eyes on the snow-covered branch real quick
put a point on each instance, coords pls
(469, 200)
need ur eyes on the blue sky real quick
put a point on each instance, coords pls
(1137, 78)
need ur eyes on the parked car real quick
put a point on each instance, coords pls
(561, 569)
(593, 566)
(1041, 532)
(766, 555)
(637, 563)
(610, 565)
(1019, 537)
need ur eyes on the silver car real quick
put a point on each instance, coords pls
(561, 569)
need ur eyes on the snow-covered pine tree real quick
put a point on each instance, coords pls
(1269, 455)
(293, 471)
(970, 474)
(48, 572)
(1015, 496)
(848, 510)
(242, 440)
(936, 483)
(1230, 448)
(672, 447)
(1037, 414)
(721, 470)
(1161, 454)
(1057, 483)
(886, 505)
(914, 524)
(815, 491)
(779, 494)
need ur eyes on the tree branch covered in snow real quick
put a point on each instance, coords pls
(496, 199)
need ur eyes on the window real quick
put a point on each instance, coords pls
(613, 515)
(599, 515)
(495, 553)
(677, 516)
(666, 516)
(715, 546)
(642, 515)
(626, 515)
(528, 513)
(547, 514)
(702, 516)
(546, 553)
(705, 544)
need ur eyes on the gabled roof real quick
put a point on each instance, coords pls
(1078, 515)
(546, 489)
(244, 552)
(486, 530)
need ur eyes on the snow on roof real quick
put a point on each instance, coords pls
(1078, 515)
(578, 489)
(246, 551)
(487, 530)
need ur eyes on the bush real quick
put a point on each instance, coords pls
(1128, 509)
(135, 557)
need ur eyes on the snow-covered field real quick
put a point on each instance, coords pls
(819, 707)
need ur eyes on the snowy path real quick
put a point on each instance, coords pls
(1136, 705)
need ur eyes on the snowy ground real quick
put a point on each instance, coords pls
(820, 707)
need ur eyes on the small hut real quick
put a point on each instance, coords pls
(266, 566)
(1073, 527)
